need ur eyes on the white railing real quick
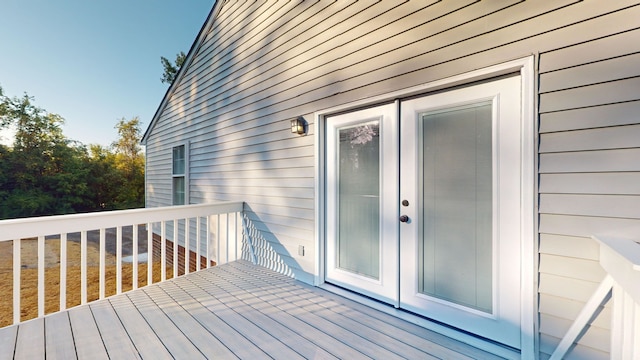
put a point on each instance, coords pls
(194, 232)
(620, 258)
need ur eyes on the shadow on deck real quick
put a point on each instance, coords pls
(236, 310)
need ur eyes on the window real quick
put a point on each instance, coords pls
(179, 175)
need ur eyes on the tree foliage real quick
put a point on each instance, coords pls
(44, 173)
(171, 70)
(130, 163)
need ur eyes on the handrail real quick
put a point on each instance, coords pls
(215, 228)
(47, 225)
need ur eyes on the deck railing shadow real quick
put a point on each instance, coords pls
(163, 242)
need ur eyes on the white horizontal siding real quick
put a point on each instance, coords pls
(609, 205)
(265, 63)
(627, 183)
(590, 117)
(569, 246)
(589, 172)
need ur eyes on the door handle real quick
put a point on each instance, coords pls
(404, 218)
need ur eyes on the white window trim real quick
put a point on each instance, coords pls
(186, 172)
(529, 310)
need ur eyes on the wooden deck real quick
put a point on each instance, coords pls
(230, 311)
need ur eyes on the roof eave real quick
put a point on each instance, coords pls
(188, 60)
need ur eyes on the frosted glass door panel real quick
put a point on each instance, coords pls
(455, 251)
(362, 244)
(359, 199)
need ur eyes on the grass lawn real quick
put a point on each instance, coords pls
(29, 277)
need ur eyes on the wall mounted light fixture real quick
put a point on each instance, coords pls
(298, 126)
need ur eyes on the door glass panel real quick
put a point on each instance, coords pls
(455, 251)
(359, 199)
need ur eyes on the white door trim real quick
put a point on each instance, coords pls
(524, 66)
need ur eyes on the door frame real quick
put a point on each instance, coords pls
(528, 220)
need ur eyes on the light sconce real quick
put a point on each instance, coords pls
(298, 126)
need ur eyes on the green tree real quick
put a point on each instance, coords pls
(45, 173)
(104, 180)
(129, 161)
(171, 70)
(3, 110)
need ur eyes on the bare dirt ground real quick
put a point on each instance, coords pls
(29, 277)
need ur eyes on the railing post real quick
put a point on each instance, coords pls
(625, 325)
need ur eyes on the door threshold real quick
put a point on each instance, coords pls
(481, 343)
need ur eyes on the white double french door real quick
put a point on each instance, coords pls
(423, 206)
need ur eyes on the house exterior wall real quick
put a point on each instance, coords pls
(262, 64)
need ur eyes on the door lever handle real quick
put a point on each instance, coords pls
(404, 218)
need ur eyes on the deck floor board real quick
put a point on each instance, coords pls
(236, 310)
(178, 343)
(8, 337)
(314, 336)
(86, 335)
(147, 342)
(239, 345)
(114, 336)
(30, 343)
(58, 337)
(172, 300)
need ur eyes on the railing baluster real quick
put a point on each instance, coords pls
(41, 276)
(103, 253)
(63, 271)
(83, 267)
(176, 224)
(187, 244)
(227, 239)
(198, 240)
(163, 251)
(134, 263)
(208, 242)
(118, 259)
(149, 253)
(231, 240)
(17, 269)
(221, 249)
(216, 224)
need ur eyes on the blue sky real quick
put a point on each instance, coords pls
(94, 61)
